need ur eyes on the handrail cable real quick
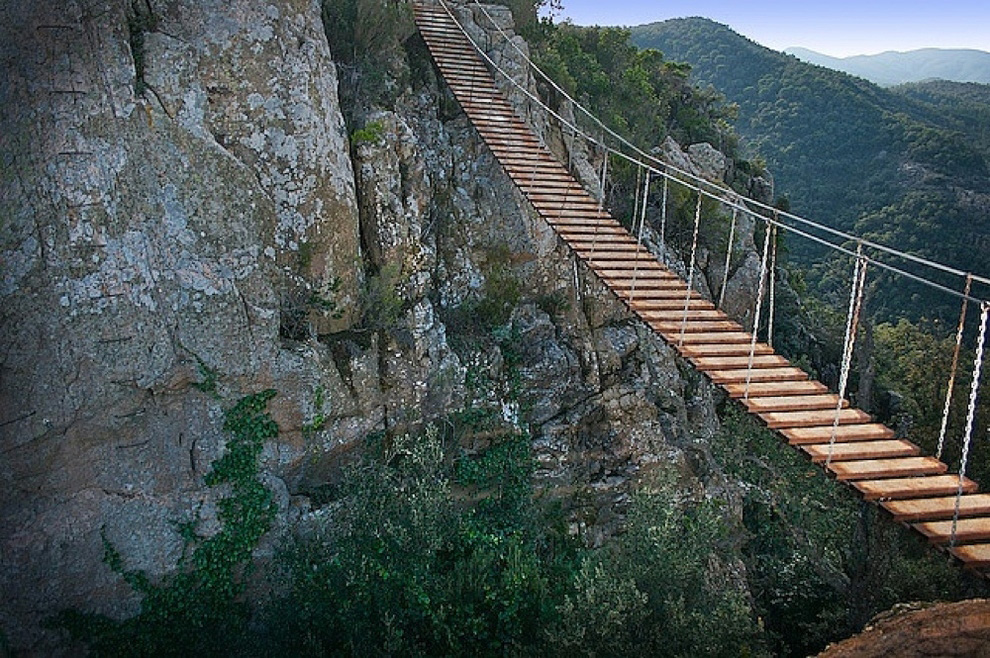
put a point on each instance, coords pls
(848, 345)
(952, 372)
(664, 169)
(974, 391)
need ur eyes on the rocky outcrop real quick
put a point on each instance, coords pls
(187, 221)
(954, 630)
(165, 167)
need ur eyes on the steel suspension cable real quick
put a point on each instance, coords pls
(663, 211)
(952, 371)
(664, 169)
(690, 281)
(639, 237)
(728, 257)
(773, 286)
(849, 344)
(974, 392)
(757, 312)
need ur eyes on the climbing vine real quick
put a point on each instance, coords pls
(198, 610)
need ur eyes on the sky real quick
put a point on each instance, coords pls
(832, 27)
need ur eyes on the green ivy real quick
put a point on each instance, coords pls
(198, 610)
(320, 416)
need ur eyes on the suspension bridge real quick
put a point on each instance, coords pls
(947, 508)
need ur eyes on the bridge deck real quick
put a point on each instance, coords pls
(915, 490)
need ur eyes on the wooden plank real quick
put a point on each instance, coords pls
(610, 274)
(603, 228)
(758, 375)
(874, 469)
(819, 452)
(552, 187)
(569, 218)
(658, 319)
(696, 326)
(656, 282)
(729, 362)
(912, 487)
(641, 263)
(967, 530)
(576, 217)
(777, 420)
(523, 175)
(508, 143)
(935, 509)
(676, 305)
(670, 294)
(476, 73)
(805, 435)
(624, 278)
(605, 248)
(793, 403)
(976, 556)
(739, 349)
(719, 338)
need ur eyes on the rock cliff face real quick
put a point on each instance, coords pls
(186, 220)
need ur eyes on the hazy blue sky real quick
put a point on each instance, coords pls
(834, 27)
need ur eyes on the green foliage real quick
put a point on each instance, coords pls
(896, 166)
(820, 563)
(208, 383)
(372, 133)
(660, 588)
(404, 569)
(381, 302)
(300, 301)
(554, 303)
(198, 610)
(913, 362)
(320, 415)
(635, 92)
(366, 40)
(500, 295)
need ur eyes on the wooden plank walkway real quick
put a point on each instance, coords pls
(915, 490)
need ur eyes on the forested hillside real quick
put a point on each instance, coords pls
(894, 68)
(907, 167)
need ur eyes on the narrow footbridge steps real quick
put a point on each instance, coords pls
(914, 489)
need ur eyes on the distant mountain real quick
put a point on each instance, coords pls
(907, 165)
(895, 68)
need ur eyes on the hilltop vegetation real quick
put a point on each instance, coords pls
(908, 167)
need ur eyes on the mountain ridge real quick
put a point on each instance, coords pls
(893, 67)
(907, 167)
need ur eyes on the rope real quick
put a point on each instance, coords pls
(690, 281)
(952, 370)
(974, 391)
(639, 237)
(663, 211)
(849, 344)
(728, 257)
(664, 169)
(601, 204)
(759, 309)
(635, 212)
(772, 311)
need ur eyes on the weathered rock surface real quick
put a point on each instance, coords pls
(956, 630)
(176, 237)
